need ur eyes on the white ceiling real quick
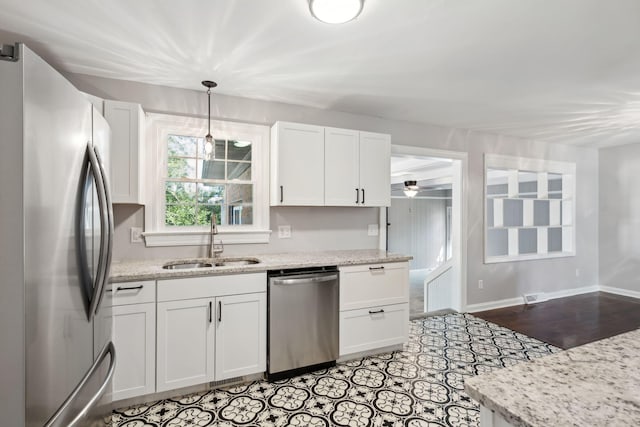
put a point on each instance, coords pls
(561, 70)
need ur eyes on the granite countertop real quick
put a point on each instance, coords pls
(152, 269)
(597, 384)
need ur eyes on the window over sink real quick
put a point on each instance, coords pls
(188, 184)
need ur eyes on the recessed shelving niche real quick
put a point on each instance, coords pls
(529, 208)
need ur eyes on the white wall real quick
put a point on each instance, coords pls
(418, 228)
(620, 217)
(501, 281)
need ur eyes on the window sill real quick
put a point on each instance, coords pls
(201, 238)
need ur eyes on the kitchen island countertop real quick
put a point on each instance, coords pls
(127, 271)
(597, 384)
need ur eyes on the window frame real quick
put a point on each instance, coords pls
(158, 128)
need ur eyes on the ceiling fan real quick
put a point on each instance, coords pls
(411, 188)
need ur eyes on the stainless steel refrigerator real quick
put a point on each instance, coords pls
(56, 234)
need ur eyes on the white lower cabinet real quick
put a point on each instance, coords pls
(205, 333)
(374, 307)
(375, 327)
(186, 343)
(132, 308)
(135, 340)
(241, 335)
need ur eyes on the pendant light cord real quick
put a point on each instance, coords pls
(209, 96)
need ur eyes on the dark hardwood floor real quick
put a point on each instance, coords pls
(572, 321)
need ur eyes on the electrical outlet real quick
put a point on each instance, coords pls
(577, 272)
(136, 234)
(373, 230)
(480, 284)
(284, 231)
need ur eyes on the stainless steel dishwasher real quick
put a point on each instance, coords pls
(303, 321)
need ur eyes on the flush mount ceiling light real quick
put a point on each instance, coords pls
(410, 188)
(209, 145)
(335, 11)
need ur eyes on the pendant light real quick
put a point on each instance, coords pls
(410, 188)
(335, 11)
(209, 144)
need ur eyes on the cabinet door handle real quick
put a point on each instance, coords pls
(219, 311)
(363, 196)
(376, 311)
(130, 288)
(281, 194)
(210, 310)
(376, 268)
(357, 196)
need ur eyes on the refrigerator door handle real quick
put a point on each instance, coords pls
(104, 225)
(60, 417)
(106, 244)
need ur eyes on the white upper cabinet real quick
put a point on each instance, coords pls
(297, 165)
(341, 167)
(322, 166)
(357, 168)
(127, 151)
(375, 169)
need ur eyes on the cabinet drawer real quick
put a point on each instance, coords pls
(364, 286)
(130, 293)
(375, 327)
(211, 286)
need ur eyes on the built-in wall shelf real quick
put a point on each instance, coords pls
(529, 209)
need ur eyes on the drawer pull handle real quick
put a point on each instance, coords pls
(219, 311)
(120, 288)
(210, 310)
(376, 311)
(376, 268)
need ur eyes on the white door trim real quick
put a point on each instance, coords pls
(460, 294)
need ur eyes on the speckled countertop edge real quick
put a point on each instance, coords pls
(595, 384)
(128, 271)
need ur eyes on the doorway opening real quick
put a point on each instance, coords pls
(425, 221)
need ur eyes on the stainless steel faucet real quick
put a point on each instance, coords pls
(214, 251)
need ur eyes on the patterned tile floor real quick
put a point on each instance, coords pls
(420, 386)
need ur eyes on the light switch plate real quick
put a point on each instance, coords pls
(373, 230)
(284, 231)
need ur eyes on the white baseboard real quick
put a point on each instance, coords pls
(483, 306)
(620, 291)
(473, 308)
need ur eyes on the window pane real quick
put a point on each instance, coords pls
(239, 215)
(179, 192)
(239, 171)
(212, 169)
(182, 145)
(239, 150)
(210, 194)
(239, 194)
(204, 214)
(178, 167)
(180, 215)
(218, 152)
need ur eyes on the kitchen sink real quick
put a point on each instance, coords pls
(209, 263)
(179, 265)
(228, 262)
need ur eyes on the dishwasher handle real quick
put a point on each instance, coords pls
(303, 280)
